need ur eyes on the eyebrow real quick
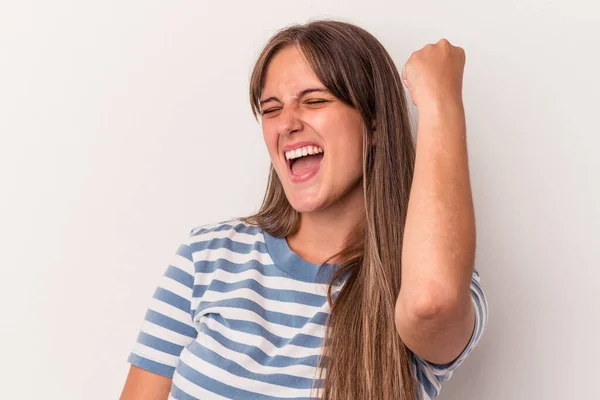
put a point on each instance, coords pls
(299, 94)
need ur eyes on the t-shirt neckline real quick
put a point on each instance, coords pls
(290, 262)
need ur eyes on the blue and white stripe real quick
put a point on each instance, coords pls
(239, 315)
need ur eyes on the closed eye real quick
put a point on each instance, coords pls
(307, 102)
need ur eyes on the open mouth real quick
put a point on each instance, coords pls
(304, 164)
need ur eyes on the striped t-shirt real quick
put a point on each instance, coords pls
(239, 315)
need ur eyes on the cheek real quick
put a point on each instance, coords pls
(270, 138)
(349, 142)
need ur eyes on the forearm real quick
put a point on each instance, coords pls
(439, 239)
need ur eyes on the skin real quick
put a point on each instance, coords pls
(331, 202)
(434, 313)
(145, 385)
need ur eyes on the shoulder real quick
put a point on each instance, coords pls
(232, 239)
(226, 250)
(231, 228)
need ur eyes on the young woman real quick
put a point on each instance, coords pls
(356, 278)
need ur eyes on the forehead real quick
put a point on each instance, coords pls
(288, 73)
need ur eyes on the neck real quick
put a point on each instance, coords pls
(323, 233)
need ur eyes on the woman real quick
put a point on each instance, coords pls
(355, 279)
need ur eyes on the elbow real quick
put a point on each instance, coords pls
(427, 305)
(431, 305)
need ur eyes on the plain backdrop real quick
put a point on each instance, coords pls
(124, 124)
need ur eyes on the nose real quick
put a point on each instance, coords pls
(288, 122)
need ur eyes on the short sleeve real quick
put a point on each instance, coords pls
(433, 375)
(167, 327)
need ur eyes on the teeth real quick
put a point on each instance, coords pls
(303, 151)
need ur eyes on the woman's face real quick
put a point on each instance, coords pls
(292, 117)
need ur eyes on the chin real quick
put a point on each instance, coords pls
(304, 209)
(305, 204)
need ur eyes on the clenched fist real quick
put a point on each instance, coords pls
(434, 74)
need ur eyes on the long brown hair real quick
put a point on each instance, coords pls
(372, 362)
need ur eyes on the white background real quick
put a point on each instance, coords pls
(125, 124)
